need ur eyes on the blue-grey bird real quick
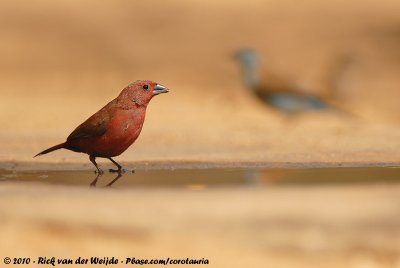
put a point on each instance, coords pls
(280, 92)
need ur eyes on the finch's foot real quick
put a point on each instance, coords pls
(99, 171)
(119, 171)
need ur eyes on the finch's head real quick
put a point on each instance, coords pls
(142, 91)
(249, 63)
(246, 56)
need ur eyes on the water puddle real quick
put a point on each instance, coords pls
(198, 179)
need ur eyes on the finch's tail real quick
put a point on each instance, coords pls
(56, 147)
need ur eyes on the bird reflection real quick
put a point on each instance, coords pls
(98, 175)
(284, 94)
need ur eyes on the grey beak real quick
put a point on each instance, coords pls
(158, 89)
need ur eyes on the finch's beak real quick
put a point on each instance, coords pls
(158, 89)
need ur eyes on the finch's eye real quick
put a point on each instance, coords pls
(145, 87)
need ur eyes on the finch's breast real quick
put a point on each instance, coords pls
(122, 130)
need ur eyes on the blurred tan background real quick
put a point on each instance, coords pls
(62, 61)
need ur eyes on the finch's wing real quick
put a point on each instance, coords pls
(94, 126)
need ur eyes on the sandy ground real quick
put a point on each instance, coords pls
(354, 226)
(61, 63)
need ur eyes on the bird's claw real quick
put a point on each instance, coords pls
(99, 171)
(119, 171)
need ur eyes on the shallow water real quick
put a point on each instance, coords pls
(198, 179)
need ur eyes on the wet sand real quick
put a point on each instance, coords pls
(187, 177)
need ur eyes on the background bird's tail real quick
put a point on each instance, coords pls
(334, 79)
(56, 147)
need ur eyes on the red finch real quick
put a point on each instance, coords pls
(111, 130)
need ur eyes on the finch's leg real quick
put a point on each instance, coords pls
(93, 160)
(119, 170)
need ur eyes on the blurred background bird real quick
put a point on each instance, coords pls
(284, 94)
